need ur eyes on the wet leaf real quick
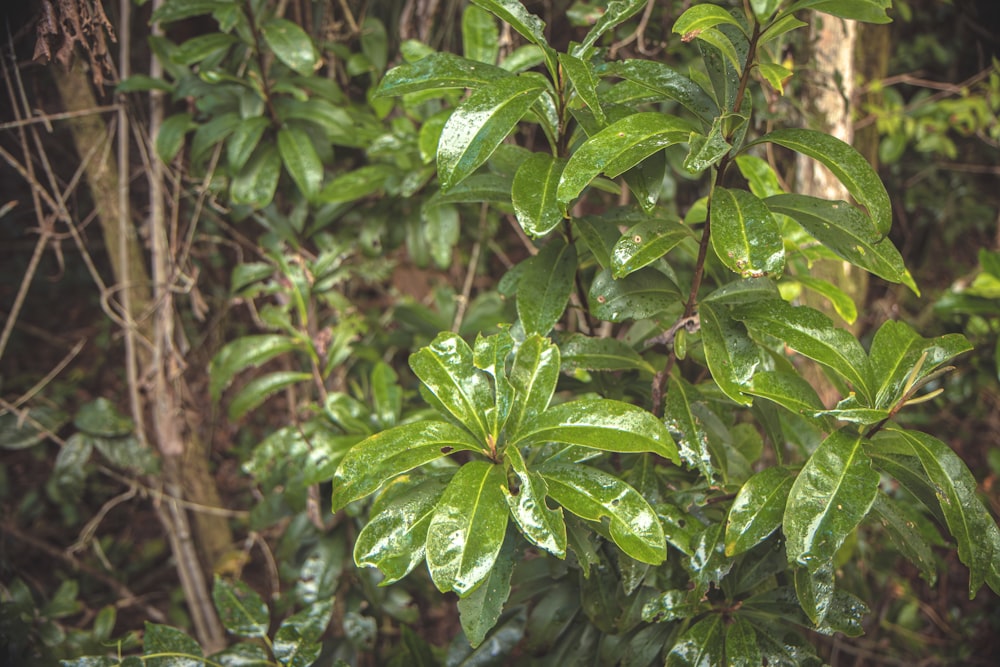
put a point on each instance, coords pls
(301, 160)
(814, 588)
(243, 353)
(846, 163)
(614, 13)
(593, 494)
(447, 371)
(438, 71)
(241, 609)
(394, 539)
(543, 527)
(600, 354)
(261, 388)
(692, 441)
(384, 455)
(637, 296)
(701, 644)
(244, 140)
(870, 11)
(467, 529)
(581, 75)
(534, 194)
(599, 423)
(291, 45)
(481, 609)
(731, 355)
(706, 150)
(533, 376)
(666, 84)
(257, 181)
(356, 184)
(741, 644)
(645, 243)
(480, 37)
(291, 649)
(902, 524)
(745, 236)
(480, 123)
(619, 147)
(831, 495)
(173, 647)
(546, 285)
(758, 509)
(170, 138)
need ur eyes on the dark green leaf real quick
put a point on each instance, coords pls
(490, 354)
(599, 423)
(138, 83)
(741, 643)
(301, 160)
(672, 606)
(744, 291)
(593, 494)
(241, 610)
(169, 647)
(699, 18)
(358, 183)
(438, 71)
(496, 649)
(467, 529)
(101, 418)
(543, 527)
(581, 75)
(476, 189)
(311, 622)
(513, 13)
(613, 14)
(600, 354)
(745, 235)
(447, 370)
(731, 355)
(198, 48)
(849, 166)
(546, 285)
(637, 296)
(242, 655)
(260, 389)
(244, 140)
(481, 609)
(480, 123)
(692, 441)
(619, 147)
(666, 84)
(534, 193)
(838, 298)
(788, 390)
(291, 45)
(815, 588)
(812, 334)
(846, 231)
(900, 522)
(243, 353)
(384, 455)
(645, 243)
(182, 9)
(701, 644)
(394, 539)
(533, 376)
(599, 236)
(758, 509)
(829, 498)
(170, 138)
(257, 182)
(293, 650)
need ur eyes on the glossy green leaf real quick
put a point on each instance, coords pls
(243, 654)
(546, 285)
(838, 298)
(182, 9)
(257, 181)
(533, 377)
(291, 649)
(534, 193)
(599, 423)
(788, 390)
(543, 527)
(447, 370)
(702, 643)
(846, 163)
(673, 605)
(637, 296)
(645, 181)
(20, 431)
(581, 75)
(895, 351)
(260, 389)
(667, 84)
(301, 160)
(731, 356)
(480, 37)
(724, 46)
(476, 189)
(209, 135)
(619, 147)
(523, 58)
(593, 494)
(869, 11)
(745, 236)
(776, 75)
(291, 45)
(645, 243)
(170, 137)
(480, 610)
(480, 123)
(815, 588)
(140, 83)
(172, 646)
(699, 18)
(812, 334)
(741, 643)
(744, 291)
(395, 537)
(438, 71)
(356, 184)
(968, 520)
(707, 150)
(691, 439)
(850, 409)
(600, 354)
(832, 494)
(708, 563)
(500, 643)
(101, 418)
(467, 529)
(900, 522)
(758, 509)
(599, 236)
(198, 48)
(763, 9)
(384, 455)
(311, 622)
(490, 354)
(760, 176)
(513, 13)
(241, 609)
(613, 14)
(244, 140)
(846, 231)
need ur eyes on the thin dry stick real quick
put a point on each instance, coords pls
(41, 384)
(47, 118)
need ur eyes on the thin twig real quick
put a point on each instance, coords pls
(41, 384)
(470, 274)
(49, 117)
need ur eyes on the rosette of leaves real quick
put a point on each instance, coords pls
(511, 456)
